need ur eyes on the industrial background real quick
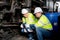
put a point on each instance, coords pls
(10, 16)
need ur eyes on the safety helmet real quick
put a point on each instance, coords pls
(24, 11)
(38, 9)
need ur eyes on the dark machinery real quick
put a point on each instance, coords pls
(10, 14)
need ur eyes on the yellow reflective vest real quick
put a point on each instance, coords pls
(43, 22)
(29, 20)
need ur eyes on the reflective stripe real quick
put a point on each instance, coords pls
(43, 23)
(31, 20)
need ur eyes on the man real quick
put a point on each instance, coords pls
(28, 19)
(43, 25)
(57, 6)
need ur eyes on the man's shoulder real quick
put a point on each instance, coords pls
(44, 16)
(30, 14)
(23, 17)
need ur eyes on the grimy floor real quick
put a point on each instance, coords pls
(8, 34)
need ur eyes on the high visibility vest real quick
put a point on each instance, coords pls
(29, 20)
(43, 22)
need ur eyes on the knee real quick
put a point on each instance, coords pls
(39, 32)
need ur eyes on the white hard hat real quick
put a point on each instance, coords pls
(38, 9)
(24, 11)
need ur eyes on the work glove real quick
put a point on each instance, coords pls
(21, 26)
(27, 25)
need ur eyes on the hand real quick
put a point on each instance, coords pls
(30, 30)
(21, 26)
(27, 25)
(25, 31)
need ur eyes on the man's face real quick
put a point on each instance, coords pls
(38, 14)
(25, 15)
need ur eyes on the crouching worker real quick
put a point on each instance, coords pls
(43, 25)
(28, 19)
